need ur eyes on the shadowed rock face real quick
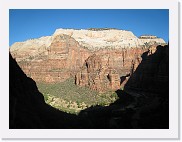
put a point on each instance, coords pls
(27, 109)
(98, 58)
(144, 103)
(99, 70)
(144, 106)
(65, 58)
(55, 58)
(152, 75)
(24, 96)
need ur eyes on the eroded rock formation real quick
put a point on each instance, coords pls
(152, 75)
(102, 70)
(107, 38)
(147, 110)
(99, 59)
(144, 103)
(56, 63)
(27, 109)
(97, 76)
(144, 70)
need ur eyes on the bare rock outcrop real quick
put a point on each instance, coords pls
(103, 70)
(27, 108)
(152, 75)
(98, 77)
(63, 58)
(107, 38)
(95, 56)
(30, 48)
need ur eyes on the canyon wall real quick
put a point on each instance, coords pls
(101, 60)
(57, 63)
(141, 69)
(27, 108)
(29, 111)
(103, 70)
(152, 75)
(110, 38)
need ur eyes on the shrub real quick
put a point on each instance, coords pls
(66, 94)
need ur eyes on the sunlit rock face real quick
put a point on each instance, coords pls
(55, 63)
(98, 77)
(102, 70)
(30, 48)
(102, 60)
(95, 39)
(97, 58)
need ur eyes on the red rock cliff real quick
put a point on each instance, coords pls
(63, 59)
(102, 70)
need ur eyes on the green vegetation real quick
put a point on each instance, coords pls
(122, 88)
(63, 105)
(70, 98)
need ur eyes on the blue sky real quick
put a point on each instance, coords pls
(30, 23)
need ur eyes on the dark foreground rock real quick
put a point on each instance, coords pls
(145, 102)
(27, 109)
(145, 105)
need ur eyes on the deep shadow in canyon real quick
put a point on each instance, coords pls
(144, 103)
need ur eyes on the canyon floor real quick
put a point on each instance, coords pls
(70, 98)
(96, 78)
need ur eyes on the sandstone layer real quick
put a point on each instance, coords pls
(61, 60)
(103, 70)
(152, 75)
(99, 59)
(111, 38)
(27, 109)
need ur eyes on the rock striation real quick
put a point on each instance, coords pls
(99, 59)
(102, 70)
(110, 38)
(30, 48)
(96, 76)
(152, 75)
(27, 109)
(57, 63)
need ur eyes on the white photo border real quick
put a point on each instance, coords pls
(171, 133)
